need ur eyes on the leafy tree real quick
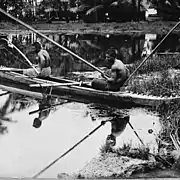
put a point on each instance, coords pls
(117, 8)
(56, 4)
(13, 6)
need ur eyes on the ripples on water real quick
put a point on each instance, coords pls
(25, 150)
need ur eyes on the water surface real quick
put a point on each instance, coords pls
(25, 150)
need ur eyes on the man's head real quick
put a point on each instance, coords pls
(36, 46)
(111, 55)
(37, 123)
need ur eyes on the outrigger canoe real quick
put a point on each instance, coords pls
(37, 88)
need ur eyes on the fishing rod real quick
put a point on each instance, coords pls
(47, 167)
(151, 52)
(52, 41)
(10, 44)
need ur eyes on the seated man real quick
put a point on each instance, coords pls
(118, 125)
(44, 62)
(118, 74)
(44, 112)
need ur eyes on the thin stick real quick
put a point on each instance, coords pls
(57, 84)
(38, 110)
(42, 35)
(47, 167)
(3, 94)
(10, 69)
(29, 62)
(136, 133)
(151, 53)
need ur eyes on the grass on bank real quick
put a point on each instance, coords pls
(127, 150)
(154, 77)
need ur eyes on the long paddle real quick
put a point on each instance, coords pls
(42, 35)
(13, 46)
(69, 150)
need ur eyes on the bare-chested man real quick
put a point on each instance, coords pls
(44, 62)
(118, 74)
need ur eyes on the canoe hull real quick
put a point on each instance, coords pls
(18, 83)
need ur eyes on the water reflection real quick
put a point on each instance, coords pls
(66, 124)
(90, 47)
(140, 120)
(44, 111)
(46, 105)
(118, 125)
(10, 103)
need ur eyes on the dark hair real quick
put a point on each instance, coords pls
(112, 52)
(37, 123)
(37, 46)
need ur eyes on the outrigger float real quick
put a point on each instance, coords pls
(38, 88)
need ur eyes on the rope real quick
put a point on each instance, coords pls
(69, 150)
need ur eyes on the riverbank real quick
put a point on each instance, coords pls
(156, 27)
(116, 164)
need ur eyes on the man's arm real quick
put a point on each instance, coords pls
(42, 61)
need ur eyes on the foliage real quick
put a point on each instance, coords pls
(156, 63)
(155, 77)
(51, 3)
(169, 10)
(127, 150)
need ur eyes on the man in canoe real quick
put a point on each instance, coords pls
(118, 73)
(44, 61)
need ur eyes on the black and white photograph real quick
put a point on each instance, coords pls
(89, 89)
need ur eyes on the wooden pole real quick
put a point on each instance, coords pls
(55, 43)
(58, 84)
(136, 133)
(29, 62)
(47, 167)
(10, 69)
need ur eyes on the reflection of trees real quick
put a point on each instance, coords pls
(13, 103)
(88, 46)
(97, 111)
